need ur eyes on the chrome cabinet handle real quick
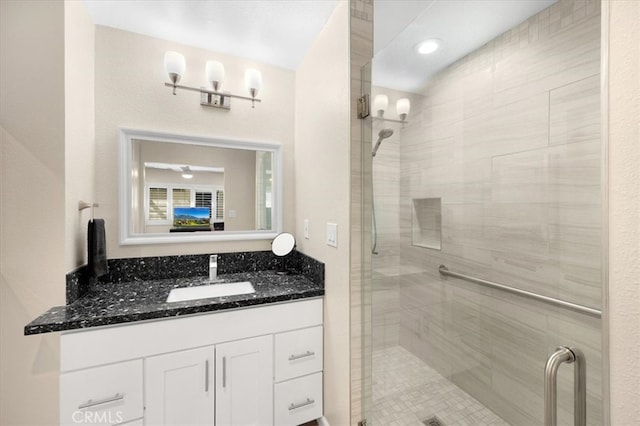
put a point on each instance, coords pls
(300, 356)
(93, 403)
(293, 406)
(224, 371)
(206, 376)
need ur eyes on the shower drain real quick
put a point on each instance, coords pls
(433, 421)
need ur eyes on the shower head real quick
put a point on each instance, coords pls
(382, 134)
(385, 133)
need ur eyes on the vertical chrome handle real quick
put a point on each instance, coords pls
(579, 388)
(224, 371)
(568, 355)
(206, 376)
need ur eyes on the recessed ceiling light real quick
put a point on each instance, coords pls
(428, 46)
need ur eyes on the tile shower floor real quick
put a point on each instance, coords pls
(406, 392)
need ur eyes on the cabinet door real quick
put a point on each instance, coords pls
(244, 382)
(179, 388)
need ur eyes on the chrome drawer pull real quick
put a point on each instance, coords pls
(309, 401)
(304, 355)
(93, 403)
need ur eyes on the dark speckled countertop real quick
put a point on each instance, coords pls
(126, 302)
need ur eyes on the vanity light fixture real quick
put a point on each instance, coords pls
(175, 66)
(380, 104)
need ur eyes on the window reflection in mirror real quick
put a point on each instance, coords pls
(191, 187)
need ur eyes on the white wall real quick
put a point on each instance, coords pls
(32, 232)
(322, 164)
(624, 210)
(130, 92)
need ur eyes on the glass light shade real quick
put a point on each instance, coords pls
(403, 106)
(174, 63)
(253, 81)
(215, 73)
(380, 104)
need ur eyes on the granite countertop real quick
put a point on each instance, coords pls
(126, 302)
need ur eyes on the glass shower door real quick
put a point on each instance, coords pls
(488, 219)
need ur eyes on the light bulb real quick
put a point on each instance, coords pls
(428, 46)
(175, 65)
(403, 106)
(253, 81)
(380, 104)
(215, 74)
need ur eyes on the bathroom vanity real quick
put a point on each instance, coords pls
(129, 357)
(258, 366)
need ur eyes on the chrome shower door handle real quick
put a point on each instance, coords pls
(569, 355)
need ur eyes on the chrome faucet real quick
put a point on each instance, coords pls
(213, 267)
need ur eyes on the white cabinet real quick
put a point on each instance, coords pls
(179, 388)
(256, 367)
(106, 395)
(244, 382)
(297, 353)
(298, 401)
(298, 376)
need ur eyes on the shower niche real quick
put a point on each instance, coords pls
(426, 223)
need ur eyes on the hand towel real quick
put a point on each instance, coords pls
(97, 248)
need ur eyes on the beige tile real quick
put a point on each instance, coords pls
(520, 177)
(574, 173)
(507, 129)
(574, 112)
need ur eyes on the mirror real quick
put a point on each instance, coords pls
(283, 244)
(178, 188)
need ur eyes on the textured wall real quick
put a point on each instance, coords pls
(509, 139)
(624, 210)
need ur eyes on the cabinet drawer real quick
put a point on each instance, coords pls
(102, 395)
(298, 353)
(298, 401)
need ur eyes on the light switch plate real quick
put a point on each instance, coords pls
(332, 234)
(306, 229)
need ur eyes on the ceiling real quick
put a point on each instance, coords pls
(279, 32)
(276, 32)
(462, 25)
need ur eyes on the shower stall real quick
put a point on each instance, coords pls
(487, 208)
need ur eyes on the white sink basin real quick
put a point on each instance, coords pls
(211, 290)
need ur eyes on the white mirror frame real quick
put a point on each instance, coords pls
(127, 135)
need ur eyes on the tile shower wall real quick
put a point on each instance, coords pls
(386, 259)
(508, 138)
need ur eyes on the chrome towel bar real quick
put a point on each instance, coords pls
(539, 297)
